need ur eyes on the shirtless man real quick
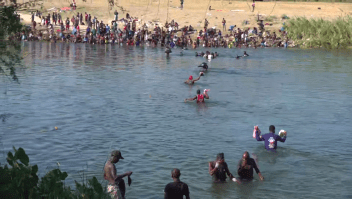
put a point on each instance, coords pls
(218, 169)
(190, 80)
(116, 186)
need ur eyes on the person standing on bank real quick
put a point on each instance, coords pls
(116, 186)
(253, 6)
(116, 15)
(270, 139)
(223, 24)
(176, 189)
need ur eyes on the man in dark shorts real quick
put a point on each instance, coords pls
(218, 169)
(246, 166)
(270, 139)
(176, 189)
(116, 186)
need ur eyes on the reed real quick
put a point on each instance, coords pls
(317, 33)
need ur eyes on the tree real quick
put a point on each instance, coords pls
(10, 28)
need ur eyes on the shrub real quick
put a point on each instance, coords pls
(320, 33)
(20, 181)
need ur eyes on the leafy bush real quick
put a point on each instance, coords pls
(320, 33)
(20, 181)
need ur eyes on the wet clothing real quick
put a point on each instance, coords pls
(247, 173)
(113, 191)
(220, 174)
(176, 190)
(270, 140)
(200, 98)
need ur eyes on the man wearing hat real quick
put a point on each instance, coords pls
(116, 186)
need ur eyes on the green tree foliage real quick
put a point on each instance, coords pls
(10, 28)
(316, 33)
(19, 180)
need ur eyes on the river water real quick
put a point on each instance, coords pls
(132, 98)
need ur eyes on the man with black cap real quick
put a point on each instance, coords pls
(176, 189)
(270, 139)
(116, 186)
(218, 169)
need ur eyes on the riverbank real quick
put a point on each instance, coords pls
(237, 13)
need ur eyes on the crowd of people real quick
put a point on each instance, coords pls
(131, 31)
(218, 169)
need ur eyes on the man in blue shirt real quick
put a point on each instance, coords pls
(270, 138)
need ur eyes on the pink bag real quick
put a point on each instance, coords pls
(256, 128)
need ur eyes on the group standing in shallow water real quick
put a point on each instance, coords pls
(218, 169)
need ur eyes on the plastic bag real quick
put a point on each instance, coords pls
(256, 128)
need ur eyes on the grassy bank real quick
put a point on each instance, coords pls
(317, 33)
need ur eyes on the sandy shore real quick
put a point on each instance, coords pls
(194, 12)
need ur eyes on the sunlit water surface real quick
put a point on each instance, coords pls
(131, 98)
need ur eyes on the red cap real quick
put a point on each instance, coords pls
(190, 77)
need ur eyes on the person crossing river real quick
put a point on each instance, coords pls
(199, 97)
(191, 81)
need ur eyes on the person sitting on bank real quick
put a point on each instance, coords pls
(176, 189)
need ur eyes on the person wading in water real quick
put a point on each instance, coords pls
(176, 189)
(246, 166)
(191, 81)
(218, 169)
(199, 97)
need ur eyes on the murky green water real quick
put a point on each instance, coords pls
(110, 97)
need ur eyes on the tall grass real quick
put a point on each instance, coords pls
(315, 33)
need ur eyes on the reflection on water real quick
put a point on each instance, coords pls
(105, 97)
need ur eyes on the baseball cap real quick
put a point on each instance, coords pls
(116, 153)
